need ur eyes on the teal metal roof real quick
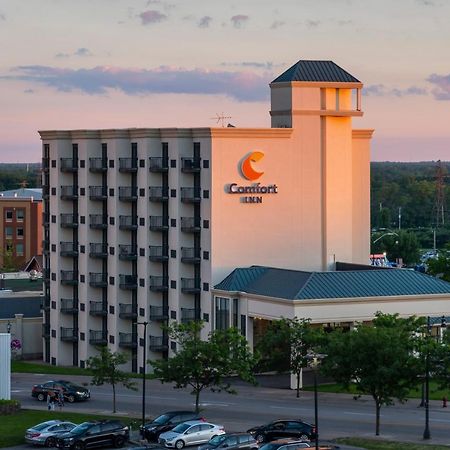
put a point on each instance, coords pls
(325, 71)
(301, 285)
(35, 193)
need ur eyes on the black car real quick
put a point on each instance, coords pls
(166, 422)
(235, 441)
(285, 444)
(279, 429)
(72, 392)
(97, 433)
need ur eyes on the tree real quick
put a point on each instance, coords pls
(105, 370)
(380, 359)
(440, 267)
(203, 364)
(290, 340)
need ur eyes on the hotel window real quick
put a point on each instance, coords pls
(19, 250)
(9, 215)
(19, 233)
(222, 313)
(235, 312)
(20, 214)
(8, 232)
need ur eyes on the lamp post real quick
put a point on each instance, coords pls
(426, 431)
(314, 364)
(143, 372)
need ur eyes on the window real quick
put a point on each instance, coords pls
(222, 313)
(8, 232)
(9, 215)
(19, 233)
(19, 250)
(20, 214)
(232, 441)
(235, 312)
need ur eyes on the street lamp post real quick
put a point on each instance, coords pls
(143, 373)
(316, 408)
(426, 432)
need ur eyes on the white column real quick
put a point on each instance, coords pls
(5, 366)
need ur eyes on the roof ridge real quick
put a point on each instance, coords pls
(311, 275)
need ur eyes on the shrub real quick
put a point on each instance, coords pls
(9, 407)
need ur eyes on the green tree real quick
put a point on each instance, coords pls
(104, 368)
(8, 259)
(379, 359)
(440, 267)
(202, 364)
(404, 246)
(290, 340)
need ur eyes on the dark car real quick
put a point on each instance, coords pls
(234, 441)
(279, 429)
(166, 422)
(97, 433)
(45, 433)
(71, 391)
(285, 444)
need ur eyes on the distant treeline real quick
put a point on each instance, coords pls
(15, 176)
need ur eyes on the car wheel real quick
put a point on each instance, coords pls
(259, 438)
(304, 437)
(78, 445)
(41, 397)
(119, 441)
(50, 442)
(179, 444)
(70, 398)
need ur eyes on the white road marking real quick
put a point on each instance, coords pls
(17, 390)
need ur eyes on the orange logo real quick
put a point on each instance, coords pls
(246, 166)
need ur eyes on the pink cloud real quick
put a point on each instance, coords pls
(442, 86)
(151, 16)
(239, 20)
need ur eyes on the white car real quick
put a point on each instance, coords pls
(193, 432)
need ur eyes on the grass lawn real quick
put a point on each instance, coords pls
(13, 427)
(375, 444)
(30, 367)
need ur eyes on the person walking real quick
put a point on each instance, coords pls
(60, 399)
(51, 401)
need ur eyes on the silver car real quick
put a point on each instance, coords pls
(46, 433)
(193, 432)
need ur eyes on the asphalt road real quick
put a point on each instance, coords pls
(339, 414)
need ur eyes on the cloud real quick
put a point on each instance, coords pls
(441, 90)
(62, 55)
(151, 16)
(2, 16)
(277, 24)
(426, 2)
(239, 21)
(204, 22)
(312, 23)
(242, 86)
(380, 90)
(28, 91)
(255, 64)
(82, 51)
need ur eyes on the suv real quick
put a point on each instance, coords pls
(166, 422)
(235, 441)
(279, 429)
(98, 433)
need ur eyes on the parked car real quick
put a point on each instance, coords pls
(71, 391)
(285, 444)
(193, 432)
(235, 441)
(97, 433)
(279, 429)
(166, 422)
(46, 433)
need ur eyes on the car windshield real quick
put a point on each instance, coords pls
(70, 385)
(81, 428)
(217, 440)
(162, 419)
(181, 428)
(42, 426)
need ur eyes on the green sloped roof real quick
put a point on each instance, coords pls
(301, 285)
(321, 71)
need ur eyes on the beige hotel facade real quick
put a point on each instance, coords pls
(142, 223)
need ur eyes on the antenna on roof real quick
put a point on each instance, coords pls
(220, 118)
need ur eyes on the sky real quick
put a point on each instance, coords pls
(77, 64)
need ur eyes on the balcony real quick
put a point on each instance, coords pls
(46, 219)
(46, 275)
(45, 192)
(69, 334)
(98, 165)
(98, 193)
(98, 279)
(126, 340)
(159, 313)
(188, 314)
(68, 249)
(158, 253)
(69, 277)
(126, 311)
(68, 165)
(45, 247)
(158, 343)
(98, 221)
(127, 252)
(128, 223)
(68, 220)
(191, 195)
(97, 337)
(98, 250)
(96, 308)
(190, 165)
(190, 255)
(45, 164)
(69, 192)
(159, 284)
(46, 330)
(128, 193)
(158, 194)
(159, 223)
(68, 306)
(191, 224)
(128, 282)
(190, 285)
(158, 164)
(128, 165)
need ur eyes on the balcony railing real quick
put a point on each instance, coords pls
(127, 252)
(126, 340)
(98, 221)
(158, 194)
(190, 195)
(69, 334)
(128, 282)
(158, 164)
(69, 192)
(46, 219)
(128, 223)
(45, 247)
(46, 274)
(68, 306)
(96, 308)
(69, 277)
(128, 193)
(97, 337)
(126, 311)
(68, 249)
(68, 165)
(190, 285)
(98, 279)
(188, 314)
(128, 164)
(190, 224)
(98, 193)
(98, 250)
(68, 220)
(158, 253)
(46, 330)
(190, 255)
(158, 343)
(98, 164)
(190, 165)
(159, 223)
(159, 313)
(45, 164)
(159, 284)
